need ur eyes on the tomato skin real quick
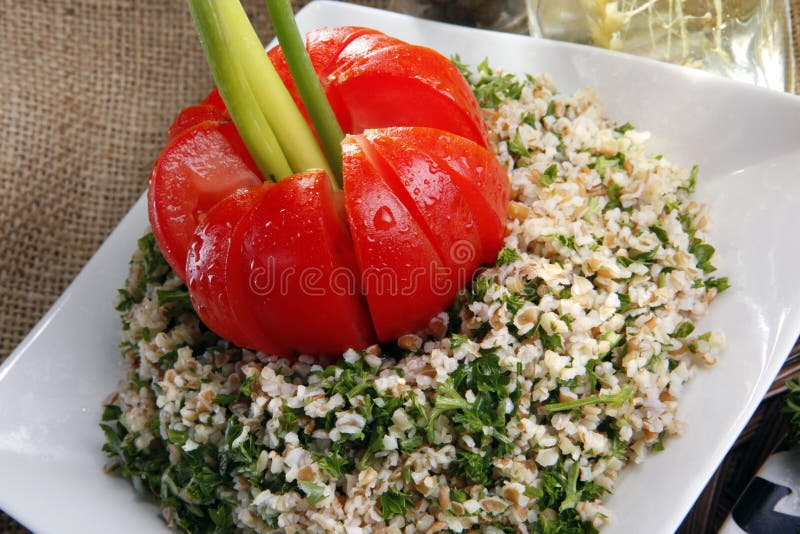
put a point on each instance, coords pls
(323, 46)
(480, 178)
(386, 82)
(403, 277)
(214, 275)
(373, 80)
(190, 117)
(428, 192)
(301, 271)
(195, 171)
(207, 266)
(214, 99)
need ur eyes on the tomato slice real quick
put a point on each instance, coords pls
(481, 180)
(404, 279)
(374, 81)
(206, 266)
(385, 82)
(194, 172)
(301, 270)
(214, 99)
(214, 275)
(190, 117)
(429, 194)
(324, 46)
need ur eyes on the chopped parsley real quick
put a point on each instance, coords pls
(394, 502)
(517, 147)
(507, 256)
(624, 128)
(549, 175)
(623, 395)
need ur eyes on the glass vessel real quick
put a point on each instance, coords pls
(747, 40)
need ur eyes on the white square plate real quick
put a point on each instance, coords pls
(747, 143)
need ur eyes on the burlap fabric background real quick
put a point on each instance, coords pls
(87, 91)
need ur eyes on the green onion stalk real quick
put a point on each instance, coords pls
(272, 127)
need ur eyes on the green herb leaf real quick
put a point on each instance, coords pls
(602, 163)
(506, 256)
(333, 462)
(315, 493)
(394, 502)
(246, 388)
(111, 412)
(624, 128)
(473, 467)
(616, 399)
(703, 252)
(720, 284)
(660, 233)
(457, 495)
(223, 400)
(516, 147)
(613, 193)
(550, 341)
(178, 437)
(683, 330)
(549, 175)
(691, 182)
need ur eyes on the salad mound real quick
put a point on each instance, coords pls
(515, 410)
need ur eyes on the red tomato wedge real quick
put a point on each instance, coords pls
(214, 99)
(403, 277)
(374, 81)
(430, 195)
(303, 277)
(190, 117)
(481, 180)
(195, 171)
(207, 273)
(214, 273)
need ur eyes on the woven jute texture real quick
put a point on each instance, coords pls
(87, 91)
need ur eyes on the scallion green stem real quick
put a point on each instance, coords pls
(616, 399)
(293, 133)
(235, 89)
(320, 111)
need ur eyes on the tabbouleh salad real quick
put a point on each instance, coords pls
(514, 412)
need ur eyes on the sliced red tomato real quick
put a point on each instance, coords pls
(385, 82)
(480, 178)
(323, 47)
(214, 99)
(195, 171)
(429, 194)
(403, 276)
(294, 267)
(207, 267)
(301, 270)
(190, 117)
(214, 274)
(373, 81)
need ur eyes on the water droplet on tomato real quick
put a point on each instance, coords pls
(383, 218)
